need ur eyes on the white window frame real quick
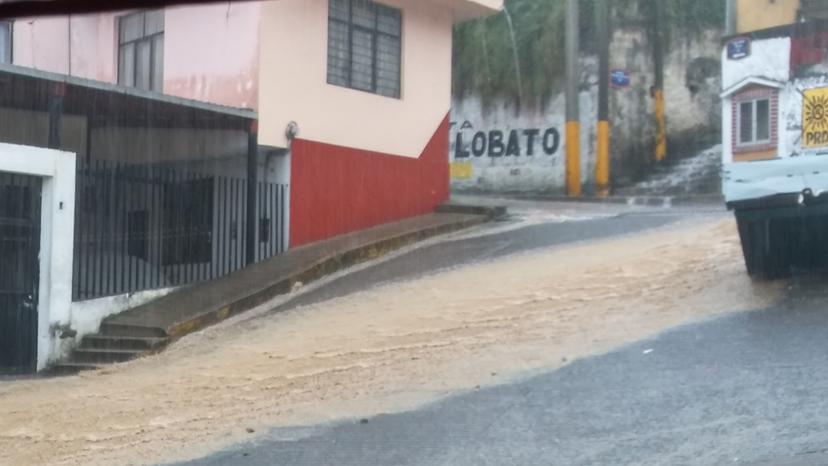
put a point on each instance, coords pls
(149, 39)
(754, 126)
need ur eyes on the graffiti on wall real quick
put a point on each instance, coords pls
(499, 143)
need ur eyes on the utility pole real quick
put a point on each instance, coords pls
(730, 17)
(602, 164)
(658, 88)
(573, 124)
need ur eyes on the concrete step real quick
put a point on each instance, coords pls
(124, 330)
(71, 368)
(107, 342)
(103, 356)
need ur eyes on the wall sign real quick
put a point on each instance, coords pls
(620, 78)
(505, 143)
(815, 118)
(738, 48)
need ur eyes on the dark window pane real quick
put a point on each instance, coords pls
(131, 27)
(158, 63)
(364, 40)
(142, 65)
(141, 54)
(154, 22)
(746, 122)
(5, 41)
(338, 53)
(339, 9)
(389, 20)
(762, 120)
(364, 13)
(388, 66)
(126, 65)
(188, 222)
(362, 61)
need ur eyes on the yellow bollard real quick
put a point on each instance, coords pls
(661, 127)
(602, 164)
(573, 158)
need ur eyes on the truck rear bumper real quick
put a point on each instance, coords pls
(780, 182)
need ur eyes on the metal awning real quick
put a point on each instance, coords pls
(29, 89)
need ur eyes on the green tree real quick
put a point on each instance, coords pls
(484, 63)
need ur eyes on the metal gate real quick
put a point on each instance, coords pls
(19, 250)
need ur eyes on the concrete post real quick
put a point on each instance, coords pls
(573, 125)
(602, 164)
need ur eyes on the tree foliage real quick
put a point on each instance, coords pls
(484, 52)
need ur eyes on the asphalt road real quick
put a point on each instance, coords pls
(747, 389)
(534, 226)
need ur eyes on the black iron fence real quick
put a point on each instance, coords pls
(141, 227)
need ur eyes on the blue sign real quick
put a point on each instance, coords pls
(738, 48)
(620, 78)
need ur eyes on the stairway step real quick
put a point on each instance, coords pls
(71, 368)
(106, 342)
(124, 330)
(101, 356)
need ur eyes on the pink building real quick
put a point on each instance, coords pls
(366, 87)
(174, 146)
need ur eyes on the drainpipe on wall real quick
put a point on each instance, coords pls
(56, 95)
(252, 184)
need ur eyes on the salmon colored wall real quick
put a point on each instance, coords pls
(41, 43)
(210, 51)
(336, 190)
(293, 71)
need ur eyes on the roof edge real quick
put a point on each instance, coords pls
(751, 80)
(104, 86)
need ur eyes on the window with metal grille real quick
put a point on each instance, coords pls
(365, 46)
(188, 222)
(5, 41)
(141, 50)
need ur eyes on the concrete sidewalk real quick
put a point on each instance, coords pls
(194, 307)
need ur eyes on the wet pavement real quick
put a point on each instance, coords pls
(530, 226)
(748, 389)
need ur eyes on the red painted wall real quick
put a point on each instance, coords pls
(336, 190)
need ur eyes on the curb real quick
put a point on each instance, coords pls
(327, 266)
(490, 212)
(651, 201)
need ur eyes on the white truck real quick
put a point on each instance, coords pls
(781, 209)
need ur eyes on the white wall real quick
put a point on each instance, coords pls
(768, 59)
(727, 130)
(57, 236)
(541, 171)
(692, 115)
(790, 120)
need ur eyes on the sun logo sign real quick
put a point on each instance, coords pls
(815, 118)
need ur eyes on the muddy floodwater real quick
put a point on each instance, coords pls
(383, 350)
